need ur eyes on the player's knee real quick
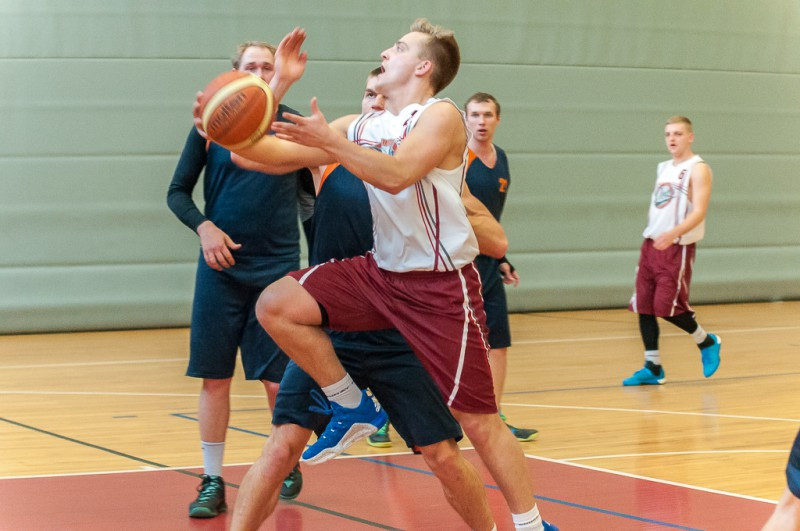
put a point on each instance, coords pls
(478, 427)
(270, 307)
(441, 458)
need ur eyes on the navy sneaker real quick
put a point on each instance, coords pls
(380, 439)
(710, 356)
(548, 526)
(645, 376)
(210, 501)
(290, 489)
(347, 425)
(520, 434)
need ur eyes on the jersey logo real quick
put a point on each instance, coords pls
(503, 185)
(663, 195)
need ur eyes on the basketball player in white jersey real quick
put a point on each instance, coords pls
(676, 222)
(419, 278)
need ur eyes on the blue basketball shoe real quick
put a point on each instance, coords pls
(647, 375)
(710, 356)
(548, 526)
(347, 425)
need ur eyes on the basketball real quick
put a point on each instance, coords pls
(236, 109)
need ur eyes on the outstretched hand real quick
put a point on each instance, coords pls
(311, 131)
(290, 62)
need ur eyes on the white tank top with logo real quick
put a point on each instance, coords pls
(423, 227)
(670, 201)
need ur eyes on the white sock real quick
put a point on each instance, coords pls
(212, 457)
(652, 355)
(344, 392)
(530, 521)
(699, 335)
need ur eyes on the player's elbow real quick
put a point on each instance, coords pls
(495, 247)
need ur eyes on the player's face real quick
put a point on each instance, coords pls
(259, 62)
(372, 101)
(402, 60)
(482, 120)
(678, 139)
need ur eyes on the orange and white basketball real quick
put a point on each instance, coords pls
(236, 109)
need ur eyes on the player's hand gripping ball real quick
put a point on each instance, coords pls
(236, 109)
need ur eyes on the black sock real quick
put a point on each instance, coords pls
(706, 343)
(648, 326)
(652, 367)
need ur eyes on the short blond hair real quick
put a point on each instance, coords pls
(678, 119)
(442, 50)
(236, 59)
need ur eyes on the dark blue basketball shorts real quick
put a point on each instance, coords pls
(224, 320)
(494, 302)
(397, 379)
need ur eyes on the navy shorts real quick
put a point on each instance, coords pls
(224, 320)
(396, 378)
(793, 468)
(494, 301)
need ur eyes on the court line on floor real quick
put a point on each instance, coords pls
(568, 462)
(161, 466)
(634, 336)
(91, 363)
(111, 393)
(657, 411)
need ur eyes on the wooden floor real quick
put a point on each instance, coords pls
(118, 401)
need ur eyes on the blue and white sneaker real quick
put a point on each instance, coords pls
(548, 526)
(347, 425)
(710, 356)
(645, 376)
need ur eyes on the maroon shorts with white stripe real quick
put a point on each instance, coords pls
(662, 280)
(440, 315)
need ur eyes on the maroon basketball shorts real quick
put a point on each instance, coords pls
(440, 315)
(662, 280)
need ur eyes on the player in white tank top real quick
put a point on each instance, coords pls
(670, 202)
(413, 70)
(423, 227)
(676, 220)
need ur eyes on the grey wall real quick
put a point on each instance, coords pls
(95, 101)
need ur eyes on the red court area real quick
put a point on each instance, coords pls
(386, 492)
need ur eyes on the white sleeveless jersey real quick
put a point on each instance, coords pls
(424, 227)
(670, 201)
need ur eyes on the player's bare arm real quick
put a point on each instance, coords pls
(491, 237)
(290, 63)
(437, 140)
(699, 195)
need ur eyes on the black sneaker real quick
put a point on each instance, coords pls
(211, 500)
(380, 439)
(293, 484)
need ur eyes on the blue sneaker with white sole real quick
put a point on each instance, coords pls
(347, 425)
(646, 376)
(710, 356)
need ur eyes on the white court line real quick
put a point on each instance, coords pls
(655, 480)
(669, 334)
(91, 363)
(665, 454)
(565, 462)
(660, 412)
(108, 393)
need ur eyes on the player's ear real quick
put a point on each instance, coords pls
(424, 67)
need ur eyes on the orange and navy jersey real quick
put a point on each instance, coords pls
(489, 185)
